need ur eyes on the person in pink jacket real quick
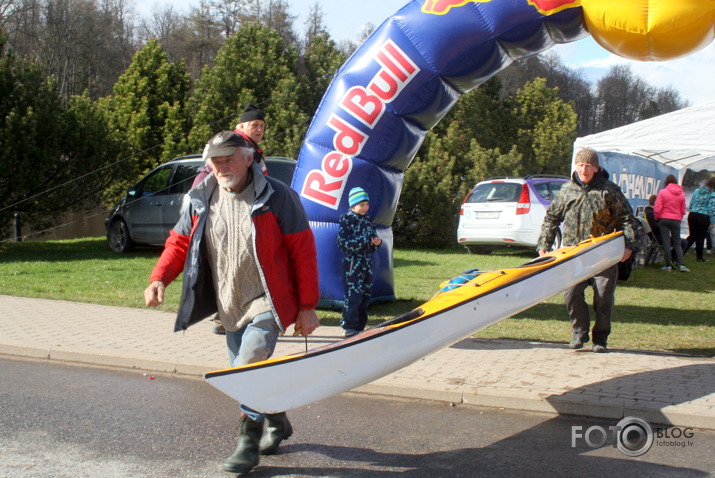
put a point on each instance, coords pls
(669, 210)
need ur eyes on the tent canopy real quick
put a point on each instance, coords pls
(681, 139)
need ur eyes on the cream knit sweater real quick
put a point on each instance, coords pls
(239, 292)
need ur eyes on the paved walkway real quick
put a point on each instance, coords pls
(661, 388)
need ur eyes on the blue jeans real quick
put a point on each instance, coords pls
(253, 343)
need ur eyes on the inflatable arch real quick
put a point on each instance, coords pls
(415, 66)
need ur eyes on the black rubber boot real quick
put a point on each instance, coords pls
(278, 428)
(246, 456)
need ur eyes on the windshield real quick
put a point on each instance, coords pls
(495, 192)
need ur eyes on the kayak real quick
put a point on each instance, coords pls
(467, 303)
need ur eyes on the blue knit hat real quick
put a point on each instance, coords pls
(357, 195)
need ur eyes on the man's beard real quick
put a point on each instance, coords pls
(227, 180)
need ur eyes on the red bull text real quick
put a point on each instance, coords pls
(366, 105)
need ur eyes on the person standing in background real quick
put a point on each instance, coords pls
(669, 210)
(701, 219)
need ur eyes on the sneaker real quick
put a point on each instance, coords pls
(349, 333)
(576, 344)
(666, 268)
(701, 260)
(219, 330)
(683, 269)
(599, 349)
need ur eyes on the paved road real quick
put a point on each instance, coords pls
(74, 422)
(543, 377)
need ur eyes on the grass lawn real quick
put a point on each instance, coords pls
(655, 310)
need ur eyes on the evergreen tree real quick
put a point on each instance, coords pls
(253, 66)
(320, 61)
(437, 181)
(545, 129)
(148, 114)
(483, 116)
(48, 154)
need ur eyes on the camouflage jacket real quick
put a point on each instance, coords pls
(587, 210)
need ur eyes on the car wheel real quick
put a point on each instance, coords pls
(479, 249)
(557, 241)
(119, 238)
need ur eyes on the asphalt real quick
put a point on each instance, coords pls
(665, 389)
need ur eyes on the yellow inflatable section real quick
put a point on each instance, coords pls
(649, 30)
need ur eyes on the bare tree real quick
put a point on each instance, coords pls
(229, 14)
(622, 97)
(278, 18)
(163, 24)
(85, 44)
(314, 25)
(21, 21)
(198, 39)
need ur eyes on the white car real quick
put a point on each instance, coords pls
(507, 211)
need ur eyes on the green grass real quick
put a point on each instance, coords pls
(655, 310)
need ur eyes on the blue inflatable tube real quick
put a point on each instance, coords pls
(391, 91)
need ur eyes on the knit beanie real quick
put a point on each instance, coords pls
(357, 195)
(252, 112)
(588, 156)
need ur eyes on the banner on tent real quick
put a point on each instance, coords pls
(638, 177)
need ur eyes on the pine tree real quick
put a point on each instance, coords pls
(148, 114)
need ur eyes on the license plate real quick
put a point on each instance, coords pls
(486, 214)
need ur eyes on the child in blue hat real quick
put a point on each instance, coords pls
(357, 238)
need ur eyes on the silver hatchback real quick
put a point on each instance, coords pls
(151, 208)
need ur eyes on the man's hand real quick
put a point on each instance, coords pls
(306, 322)
(543, 252)
(626, 254)
(154, 294)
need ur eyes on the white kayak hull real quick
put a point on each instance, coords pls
(288, 382)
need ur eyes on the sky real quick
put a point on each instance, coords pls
(691, 76)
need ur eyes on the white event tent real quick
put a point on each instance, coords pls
(683, 139)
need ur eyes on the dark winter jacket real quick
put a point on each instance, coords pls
(587, 210)
(282, 239)
(355, 233)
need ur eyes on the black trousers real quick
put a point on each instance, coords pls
(698, 225)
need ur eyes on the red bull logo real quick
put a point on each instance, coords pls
(546, 7)
(549, 7)
(442, 7)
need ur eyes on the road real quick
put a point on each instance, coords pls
(69, 421)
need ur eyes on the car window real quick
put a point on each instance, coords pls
(157, 181)
(282, 170)
(555, 186)
(543, 190)
(184, 177)
(548, 189)
(495, 192)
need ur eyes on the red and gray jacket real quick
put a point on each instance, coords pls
(282, 240)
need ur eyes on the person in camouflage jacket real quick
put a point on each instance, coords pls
(357, 238)
(590, 205)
